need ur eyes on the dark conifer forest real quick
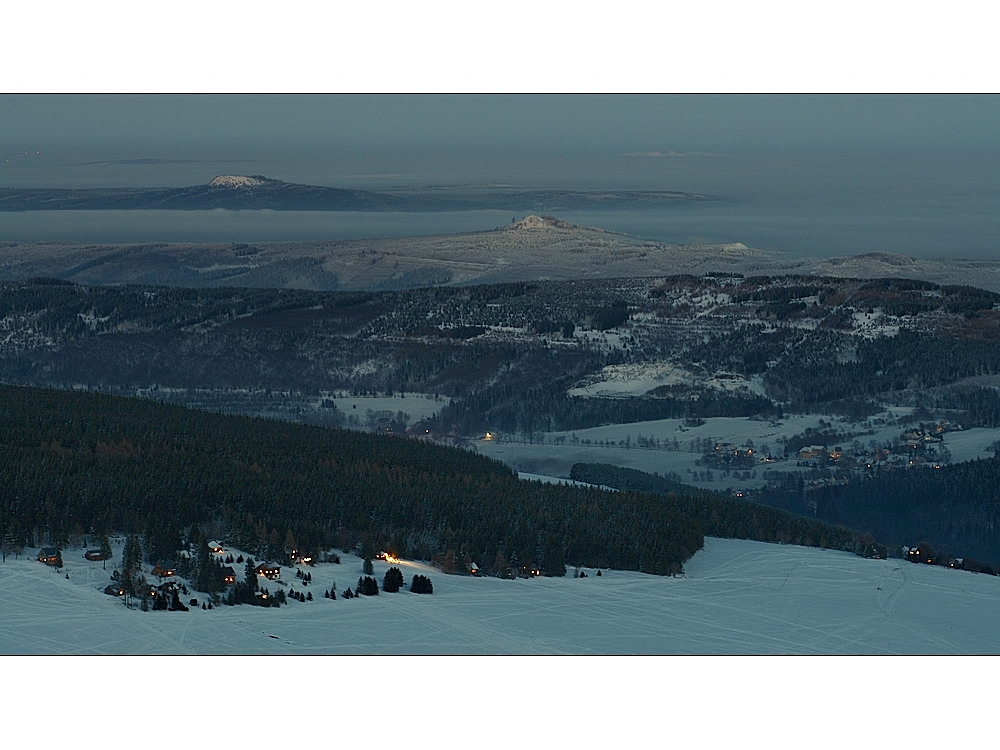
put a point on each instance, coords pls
(86, 464)
(77, 463)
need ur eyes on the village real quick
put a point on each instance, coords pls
(918, 446)
(822, 465)
(237, 579)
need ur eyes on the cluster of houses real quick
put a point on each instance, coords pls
(916, 447)
(911, 453)
(925, 554)
(271, 571)
(165, 570)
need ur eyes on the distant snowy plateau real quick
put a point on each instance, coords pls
(533, 248)
(736, 597)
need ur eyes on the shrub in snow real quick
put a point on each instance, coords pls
(421, 585)
(393, 580)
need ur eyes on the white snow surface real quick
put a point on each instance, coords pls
(735, 597)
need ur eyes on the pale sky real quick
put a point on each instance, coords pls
(282, 125)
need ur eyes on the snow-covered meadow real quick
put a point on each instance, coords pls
(553, 454)
(736, 597)
(679, 444)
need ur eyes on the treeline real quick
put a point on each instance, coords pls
(548, 407)
(979, 406)
(731, 518)
(631, 480)
(75, 463)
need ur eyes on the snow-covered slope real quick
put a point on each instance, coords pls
(737, 597)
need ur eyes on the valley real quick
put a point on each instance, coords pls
(795, 391)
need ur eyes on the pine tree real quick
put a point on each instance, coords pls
(393, 580)
(421, 585)
(131, 578)
(8, 542)
(105, 549)
(250, 572)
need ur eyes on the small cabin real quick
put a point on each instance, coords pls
(48, 555)
(95, 555)
(812, 451)
(113, 589)
(164, 570)
(228, 575)
(269, 571)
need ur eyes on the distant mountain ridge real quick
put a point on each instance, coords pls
(534, 247)
(234, 192)
(257, 192)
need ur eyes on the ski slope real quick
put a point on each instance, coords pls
(736, 597)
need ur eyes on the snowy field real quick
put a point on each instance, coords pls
(415, 406)
(736, 597)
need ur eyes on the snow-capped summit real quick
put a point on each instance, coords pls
(541, 222)
(235, 181)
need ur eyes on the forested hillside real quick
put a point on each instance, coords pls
(954, 508)
(523, 357)
(81, 464)
(730, 518)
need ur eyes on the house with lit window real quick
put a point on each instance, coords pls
(269, 571)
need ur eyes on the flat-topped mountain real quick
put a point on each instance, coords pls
(253, 192)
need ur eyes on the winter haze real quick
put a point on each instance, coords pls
(808, 176)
